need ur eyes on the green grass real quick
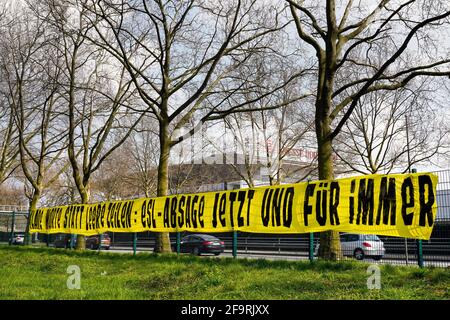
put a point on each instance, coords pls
(41, 273)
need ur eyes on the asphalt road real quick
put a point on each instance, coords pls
(275, 255)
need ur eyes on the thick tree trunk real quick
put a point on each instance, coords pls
(162, 244)
(330, 246)
(81, 240)
(33, 206)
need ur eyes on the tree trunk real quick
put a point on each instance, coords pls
(162, 244)
(81, 240)
(33, 206)
(330, 246)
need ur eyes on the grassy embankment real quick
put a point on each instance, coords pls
(41, 273)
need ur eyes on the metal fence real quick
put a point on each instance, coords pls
(399, 251)
(12, 222)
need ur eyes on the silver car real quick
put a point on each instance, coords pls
(18, 239)
(361, 246)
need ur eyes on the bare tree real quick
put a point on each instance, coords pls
(131, 171)
(345, 36)
(177, 54)
(32, 98)
(98, 95)
(62, 191)
(11, 195)
(29, 96)
(116, 179)
(267, 139)
(143, 146)
(391, 131)
(9, 147)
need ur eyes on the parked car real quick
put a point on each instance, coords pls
(18, 239)
(62, 241)
(201, 243)
(93, 242)
(361, 246)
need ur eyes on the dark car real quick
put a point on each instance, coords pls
(201, 243)
(62, 241)
(93, 242)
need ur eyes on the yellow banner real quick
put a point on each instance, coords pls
(402, 205)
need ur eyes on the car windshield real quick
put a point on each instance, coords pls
(371, 237)
(208, 237)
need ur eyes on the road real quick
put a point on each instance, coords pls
(275, 255)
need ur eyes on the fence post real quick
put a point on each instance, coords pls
(11, 237)
(100, 242)
(406, 251)
(419, 246)
(419, 253)
(27, 229)
(235, 244)
(178, 243)
(72, 240)
(246, 244)
(311, 246)
(134, 243)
